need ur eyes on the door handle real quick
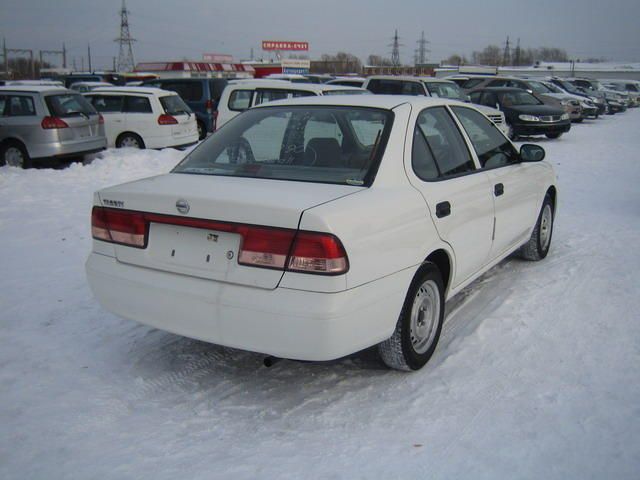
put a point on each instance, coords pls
(498, 189)
(443, 209)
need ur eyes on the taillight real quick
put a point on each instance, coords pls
(119, 226)
(215, 121)
(266, 247)
(100, 119)
(208, 105)
(165, 119)
(50, 123)
(318, 253)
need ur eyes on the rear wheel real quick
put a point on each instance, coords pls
(418, 329)
(553, 135)
(538, 245)
(15, 155)
(129, 140)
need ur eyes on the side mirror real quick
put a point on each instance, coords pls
(497, 106)
(467, 98)
(530, 152)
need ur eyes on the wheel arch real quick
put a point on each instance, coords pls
(443, 260)
(8, 140)
(553, 194)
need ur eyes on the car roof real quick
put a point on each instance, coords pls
(385, 102)
(285, 84)
(134, 91)
(410, 78)
(35, 88)
(93, 83)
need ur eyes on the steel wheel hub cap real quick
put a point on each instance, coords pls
(425, 314)
(13, 157)
(545, 227)
(130, 142)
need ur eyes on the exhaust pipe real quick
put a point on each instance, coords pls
(270, 361)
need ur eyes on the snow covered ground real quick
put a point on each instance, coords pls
(537, 374)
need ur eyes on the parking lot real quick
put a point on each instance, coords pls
(535, 374)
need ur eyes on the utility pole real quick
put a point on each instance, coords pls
(82, 64)
(506, 57)
(6, 57)
(395, 52)
(64, 56)
(74, 65)
(89, 56)
(252, 54)
(421, 52)
(6, 51)
(125, 56)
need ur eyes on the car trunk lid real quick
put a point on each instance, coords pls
(194, 218)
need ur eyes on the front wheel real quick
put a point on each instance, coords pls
(418, 329)
(538, 245)
(511, 133)
(554, 135)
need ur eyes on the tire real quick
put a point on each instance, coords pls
(418, 329)
(14, 154)
(129, 140)
(511, 133)
(202, 131)
(579, 120)
(538, 245)
(553, 135)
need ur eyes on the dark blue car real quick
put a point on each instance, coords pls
(201, 94)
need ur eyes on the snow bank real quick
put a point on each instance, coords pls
(536, 375)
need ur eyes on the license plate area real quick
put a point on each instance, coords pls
(192, 251)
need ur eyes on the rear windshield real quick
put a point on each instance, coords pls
(69, 105)
(346, 92)
(174, 105)
(322, 144)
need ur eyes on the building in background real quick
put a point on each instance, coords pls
(194, 69)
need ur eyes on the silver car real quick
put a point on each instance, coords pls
(39, 122)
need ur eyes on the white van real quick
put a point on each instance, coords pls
(240, 95)
(144, 117)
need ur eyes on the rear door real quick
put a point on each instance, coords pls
(111, 108)
(457, 195)
(139, 117)
(77, 112)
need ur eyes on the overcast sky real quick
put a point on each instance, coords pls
(179, 29)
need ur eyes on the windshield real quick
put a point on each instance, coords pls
(445, 90)
(174, 105)
(553, 88)
(322, 144)
(514, 98)
(539, 87)
(69, 104)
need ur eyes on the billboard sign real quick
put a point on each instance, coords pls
(293, 65)
(279, 45)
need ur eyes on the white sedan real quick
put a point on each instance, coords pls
(316, 227)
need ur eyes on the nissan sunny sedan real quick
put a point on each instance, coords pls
(313, 228)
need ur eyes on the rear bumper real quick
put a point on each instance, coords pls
(541, 128)
(67, 148)
(282, 322)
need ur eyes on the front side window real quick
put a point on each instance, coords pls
(323, 144)
(492, 148)
(240, 100)
(137, 105)
(515, 98)
(69, 105)
(20, 106)
(107, 103)
(441, 149)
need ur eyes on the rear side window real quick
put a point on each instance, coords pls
(216, 87)
(137, 105)
(174, 105)
(240, 100)
(302, 93)
(264, 96)
(107, 103)
(18, 106)
(69, 105)
(395, 87)
(492, 148)
(189, 91)
(445, 146)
